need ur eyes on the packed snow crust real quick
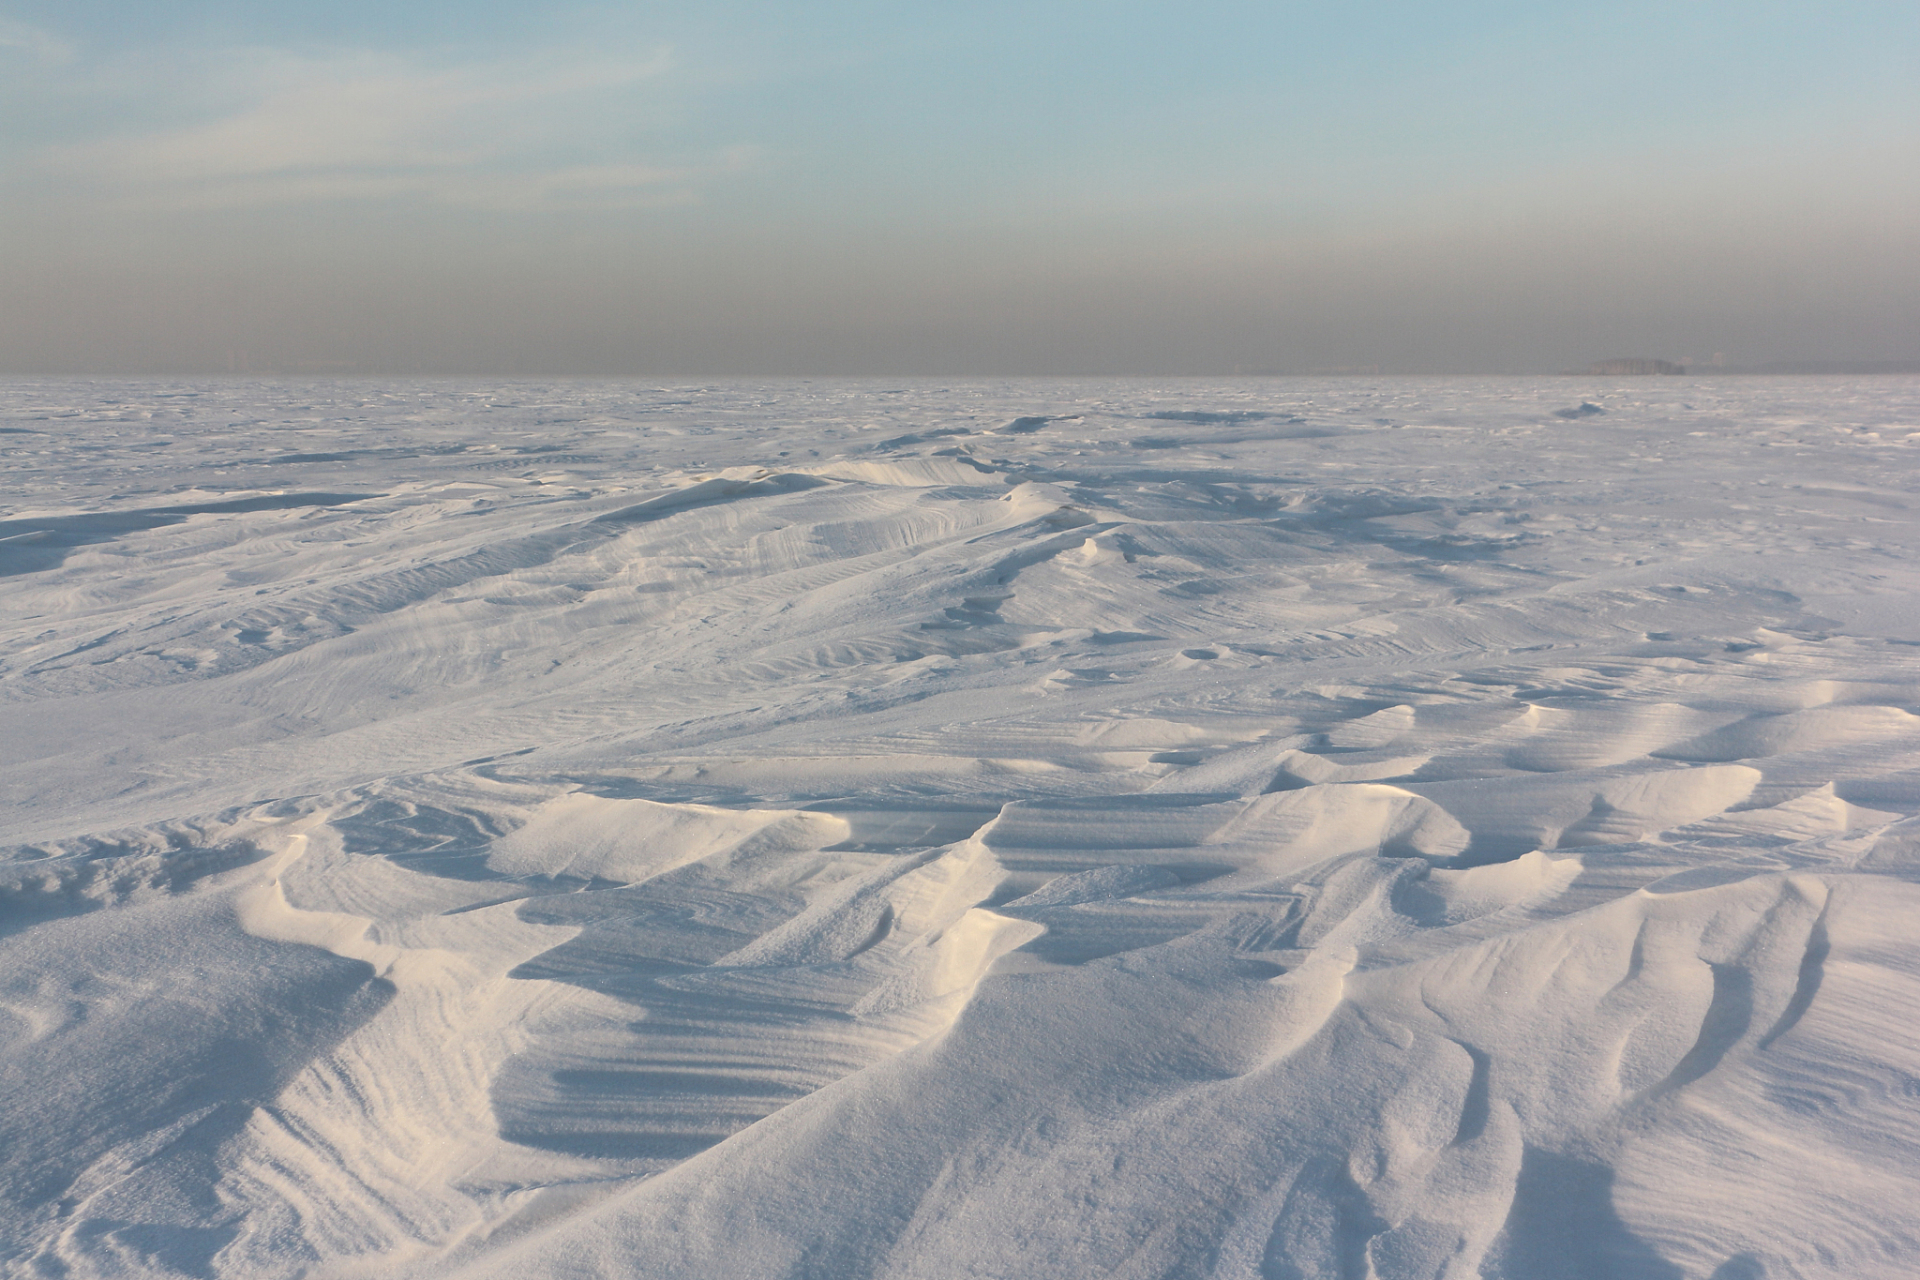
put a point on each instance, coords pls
(1285, 828)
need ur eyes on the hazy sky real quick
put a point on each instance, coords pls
(850, 186)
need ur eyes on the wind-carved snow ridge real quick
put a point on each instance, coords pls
(1392, 829)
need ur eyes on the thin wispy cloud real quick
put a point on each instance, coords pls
(19, 39)
(552, 128)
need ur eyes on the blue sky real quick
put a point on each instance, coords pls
(767, 187)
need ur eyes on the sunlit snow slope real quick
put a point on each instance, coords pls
(1398, 829)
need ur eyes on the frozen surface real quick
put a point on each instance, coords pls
(1407, 829)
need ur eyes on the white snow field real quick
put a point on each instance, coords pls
(1273, 828)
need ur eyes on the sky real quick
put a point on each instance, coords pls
(863, 187)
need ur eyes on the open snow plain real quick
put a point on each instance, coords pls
(1336, 829)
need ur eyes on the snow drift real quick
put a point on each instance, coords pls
(1267, 829)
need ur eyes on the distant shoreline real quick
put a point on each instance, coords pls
(343, 372)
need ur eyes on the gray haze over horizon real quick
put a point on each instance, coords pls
(1022, 191)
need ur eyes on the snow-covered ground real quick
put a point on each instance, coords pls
(1287, 828)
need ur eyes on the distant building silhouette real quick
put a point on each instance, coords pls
(1634, 367)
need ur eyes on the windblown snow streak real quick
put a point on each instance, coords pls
(1272, 829)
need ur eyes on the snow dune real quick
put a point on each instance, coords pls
(1270, 829)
